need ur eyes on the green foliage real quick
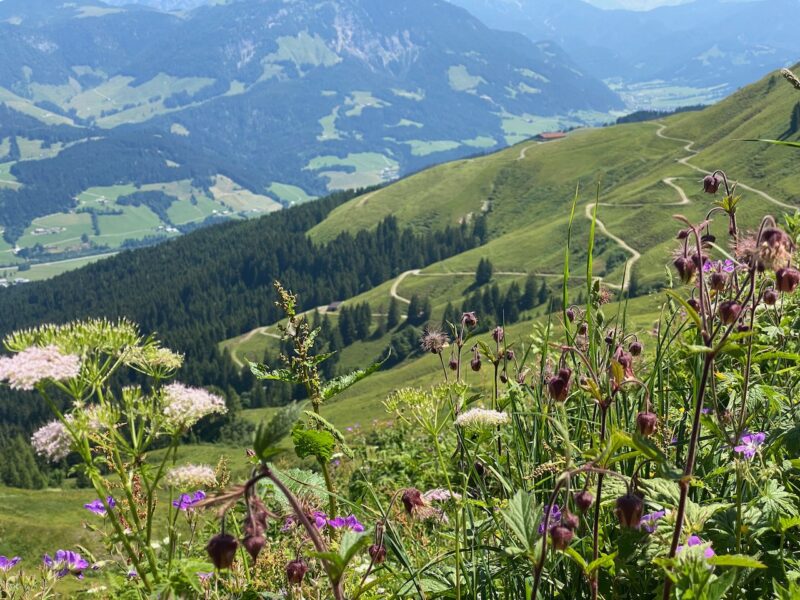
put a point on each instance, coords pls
(310, 442)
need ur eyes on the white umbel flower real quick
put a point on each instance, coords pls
(190, 477)
(52, 441)
(27, 368)
(480, 418)
(184, 406)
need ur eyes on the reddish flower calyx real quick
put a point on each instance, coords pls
(584, 500)
(646, 423)
(222, 550)
(295, 571)
(629, 510)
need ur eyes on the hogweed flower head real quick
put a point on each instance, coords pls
(97, 507)
(185, 406)
(481, 418)
(35, 364)
(52, 441)
(191, 476)
(749, 444)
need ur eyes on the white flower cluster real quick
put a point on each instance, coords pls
(185, 406)
(479, 418)
(190, 477)
(440, 495)
(27, 368)
(52, 441)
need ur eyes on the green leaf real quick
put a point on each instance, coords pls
(308, 442)
(736, 560)
(269, 434)
(264, 372)
(340, 384)
(603, 562)
(520, 516)
(689, 310)
(576, 556)
(326, 425)
(776, 142)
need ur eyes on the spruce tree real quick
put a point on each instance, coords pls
(483, 274)
(528, 300)
(393, 314)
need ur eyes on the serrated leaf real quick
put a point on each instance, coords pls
(340, 384)
(309, 442)
(602, 562)
(264, 372)
(326, 425)
(520, 517)
(736, 560)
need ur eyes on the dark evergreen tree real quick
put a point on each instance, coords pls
(544, 294)
(483, 274)
(393, 316)
(529, 296)
(511, 304)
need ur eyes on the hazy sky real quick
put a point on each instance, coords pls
(634, 4)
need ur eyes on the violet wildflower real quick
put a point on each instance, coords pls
(320, 519)
(97, 507)
(749, 443)
(696, 541)
(27, 368)
(8, 563)
(187, 501)
(203, 577)
(288, 523)
(648, 522)
(66, 562)
(555, 515)
(350, 522)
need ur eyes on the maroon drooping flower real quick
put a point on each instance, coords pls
(718, 281)
(377, 553)
(571, 314)
(629, 510)
(583, 328)
(729, 311)
(570, 520)
(561, 537)
(635, 348)
(296, 570)
(584, 500)
(510, 354)
(711, 184)
(694, 304)
(498, 334)
(646, 423)
(222, 550)
(787, 279)
(254, 544)
(770, 297)
(685, 268)
(453, 364)
(475, 363)
(412, 500)
(625, 359)
(469, 319)
(558, 385)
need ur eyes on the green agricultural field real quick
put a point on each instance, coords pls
(7, 179)
(289, 193)
(58, 231)
(361, 169)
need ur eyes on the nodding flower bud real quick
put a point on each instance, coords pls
(296, 570)
(694, 304)
(254, 544)
(583, 328)
(510, 354)
(498, 334)
(504, 377)
(770, 297)
(570, 521)
(685, 268)
(683, 234)
(584, 500)
(522, 375)
(636, 348)
(787, 279)
(711, 184)
(729, 311)
(742, 327)
(561, 537)
(377, 552)
(571, 314)
(469, 319)
(222, 550)
(629, 510)
(475, 363)
(412, 500)
(718, 281)
(699, 260)
(646, 423)
(558, 386)
(453, 364)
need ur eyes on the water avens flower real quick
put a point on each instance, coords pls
(412, 500)
(191, 476)
(558, 385)
(584, 500)
(377, 552)
(254, 544)
(27, 368)
(635, 348)
(475, 363)
(787, 279)
(711, 184)
(570, 520)
(771, 297)
(8, 563)
(52, 441)
(561, 537)
(480, 418)
(469, 319)
(498, 334)
(184, 406)
(749, 444)
(729, 311)
(96, 506)
(187, 501)
(222, 550)
(646, 423)
(296, 570)
(629, 510)
(66, 562)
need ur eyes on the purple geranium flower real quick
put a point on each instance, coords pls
(749, 443)
(648, 522)
(65, 562)
(96, 506)
(187, 501)
(288, 523)
(726, 266)
(320, 519)
(350, 522)
(696, 541)
(205, 576)
(555, 515)
(8, 563)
